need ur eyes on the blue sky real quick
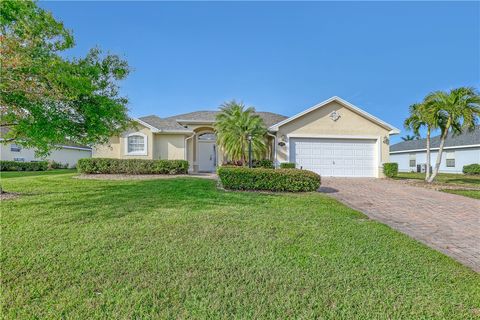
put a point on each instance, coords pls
(282, 56)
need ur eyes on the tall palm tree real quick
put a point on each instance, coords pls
(459, 109)
(233, 125)
(410, 138)
(423, 115)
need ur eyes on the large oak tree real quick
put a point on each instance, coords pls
(47, 99)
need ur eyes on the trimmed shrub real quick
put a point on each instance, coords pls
(390, 169)
(265, 163)
(57, 165)
(132, 166)
(472, 169)
(287, 165)
(23, 166)
(290, 180)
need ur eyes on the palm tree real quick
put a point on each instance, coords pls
(233, 125)
(459, 109)
(423, 115)
(410, 138)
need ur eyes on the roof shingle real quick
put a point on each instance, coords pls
(170, 123)
(465, 139)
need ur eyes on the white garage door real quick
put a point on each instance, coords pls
(335, 157)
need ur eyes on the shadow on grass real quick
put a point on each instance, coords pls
(22, 174)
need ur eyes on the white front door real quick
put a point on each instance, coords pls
(206, 156)
(335, 157)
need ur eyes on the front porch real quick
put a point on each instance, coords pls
(203, 153)
(201, 150)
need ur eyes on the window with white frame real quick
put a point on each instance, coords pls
(413, 160)
(15, 147)
(19, 159)
(450, 159)
(136, 144)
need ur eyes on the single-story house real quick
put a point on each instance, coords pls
(459, 150)
(333, 138)
(68, 153)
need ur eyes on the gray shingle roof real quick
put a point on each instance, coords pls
(170, 123)
(464, 139)
(163, 124)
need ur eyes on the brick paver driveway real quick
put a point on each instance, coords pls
(446, 222)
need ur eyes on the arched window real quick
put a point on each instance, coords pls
(136, 144)
(207, 137)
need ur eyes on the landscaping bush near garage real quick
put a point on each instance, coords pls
(265, 163)
(289, 180)
(132, 166)
(472, 169)
(23, 166)
(287, 165)
(390, 169)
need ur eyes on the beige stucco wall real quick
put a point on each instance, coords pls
(116, 147)
(318, 123)
(110, 150)
(159, 146)
(63, 155)
(169, 146)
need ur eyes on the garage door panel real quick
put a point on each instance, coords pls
(335, 157)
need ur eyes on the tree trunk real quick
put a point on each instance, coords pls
(427, 169)
(439, 155)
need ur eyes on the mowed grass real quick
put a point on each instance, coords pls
(181, 248)
(466, 193)
(449, 178)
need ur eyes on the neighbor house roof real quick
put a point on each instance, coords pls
(177, 122)
(466, 139)
(393, 130)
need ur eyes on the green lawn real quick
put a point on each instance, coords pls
(447, 178)
(181, 248)
(467, 193)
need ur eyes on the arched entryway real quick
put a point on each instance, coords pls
(206, 151)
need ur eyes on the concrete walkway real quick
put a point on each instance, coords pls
(446, 222)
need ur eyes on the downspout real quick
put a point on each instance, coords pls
(186, 147)
(274, 148)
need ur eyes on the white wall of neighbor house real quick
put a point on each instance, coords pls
(456, 159)
(66, 155)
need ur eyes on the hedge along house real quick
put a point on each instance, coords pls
(332, 138)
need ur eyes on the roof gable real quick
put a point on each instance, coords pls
(344, 103)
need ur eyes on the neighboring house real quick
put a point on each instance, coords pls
(65, 154)
(459, 151)
(333, 138)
